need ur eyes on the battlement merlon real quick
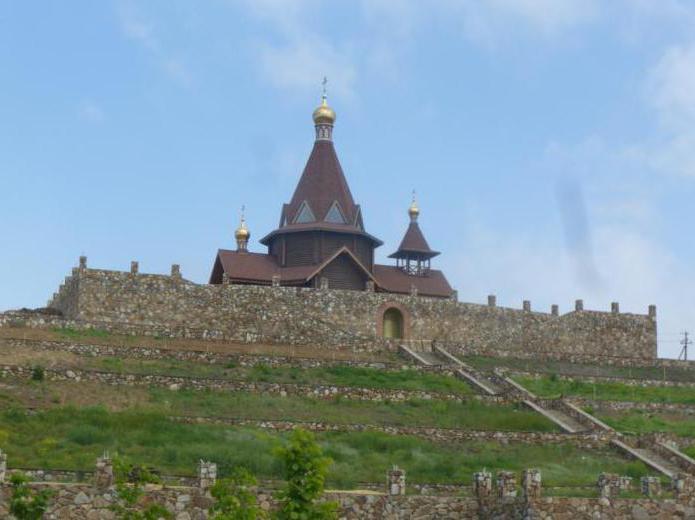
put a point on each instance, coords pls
(331, 317)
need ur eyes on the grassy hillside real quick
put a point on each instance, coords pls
(441, 414)
(640, 421)
(551, 387)
(69, 438)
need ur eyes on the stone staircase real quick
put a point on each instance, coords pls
(649, 457)
(659, 456)
(562, 419)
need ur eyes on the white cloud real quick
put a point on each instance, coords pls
(635, 270)
(672, 86)
(301, 63)
(670, 91)
(136, 28)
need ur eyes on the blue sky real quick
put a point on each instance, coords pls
(551, 142)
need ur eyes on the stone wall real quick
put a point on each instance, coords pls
(85, 501)
(172, 306)
(319, 391)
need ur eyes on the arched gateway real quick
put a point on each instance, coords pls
(393, 324)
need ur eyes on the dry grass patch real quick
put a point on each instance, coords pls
(97, 337)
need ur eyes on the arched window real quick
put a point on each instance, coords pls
(393, 324)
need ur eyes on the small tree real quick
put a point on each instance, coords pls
(130, 481)
(27, 503)
(235, 498)
(305, 473)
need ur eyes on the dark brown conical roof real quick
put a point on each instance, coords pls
(414, 244)
(321, 185)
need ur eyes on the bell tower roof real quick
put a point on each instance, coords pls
(414, 245)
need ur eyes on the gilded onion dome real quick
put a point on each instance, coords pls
(413, 210)
(324, 115)
(242, 232)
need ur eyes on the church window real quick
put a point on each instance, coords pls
(304, 214)
(334, 215)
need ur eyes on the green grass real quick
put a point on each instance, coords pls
(337, 375)
(441, 414)
(582, 369)
(70, 333)
(640, 421)
(70, 438)
(551, 387)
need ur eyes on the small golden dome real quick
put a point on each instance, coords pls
(324, 114)
(242, 232)
(413, 210)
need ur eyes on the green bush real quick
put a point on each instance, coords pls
(130, 481)
(27, 503)
(235, 498)
(305, 473)
(38, 373)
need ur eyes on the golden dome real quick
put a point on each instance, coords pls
(413, 210)
(324, 114)
(242, 232)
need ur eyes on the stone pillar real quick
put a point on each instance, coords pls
(651, 486)
(395, 481)
(492, 300)
(225, 279)
(482, 485)
(134, 267)
(454, 296)
(652, 311)
(3, 466)
(276, 280)
(527, 305)
(531, 483)
(369, 286)
(83, 262)
(207, 474)
(625, 483)
(506, 484)
(103, 473)
(413, 290)
(175, 271)
(579, 305)
(683, 486)
(608, 485)
(323, 282)
(615, 308)
(555, 309)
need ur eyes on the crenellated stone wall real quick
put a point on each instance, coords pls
(135, 303)
(192, 501)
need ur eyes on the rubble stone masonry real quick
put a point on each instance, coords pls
(135, 303)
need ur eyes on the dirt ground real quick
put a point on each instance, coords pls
(223, 347)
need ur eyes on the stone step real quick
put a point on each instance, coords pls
(433, 358)
(574, 425)
(563, 420)
(658, 459)
(468, 374)
(650, 458)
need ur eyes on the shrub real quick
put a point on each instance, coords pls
(305, 472)
(235, 498)
(38, 373)
(130, 479)
(25, 502)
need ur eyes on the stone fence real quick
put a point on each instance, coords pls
(500, 497)
(593, 440)
(319, 391)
